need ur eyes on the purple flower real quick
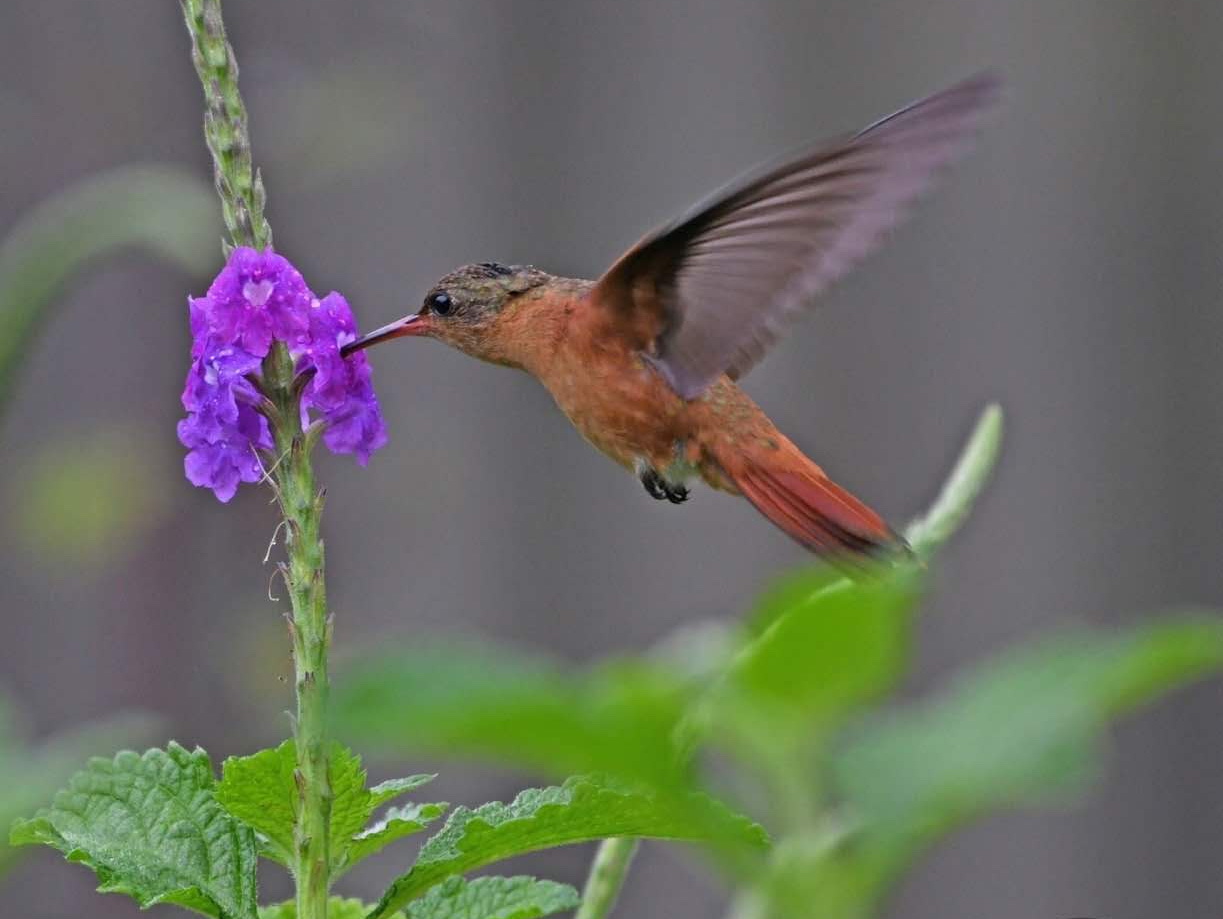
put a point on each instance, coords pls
(331, 327)
(341, 391)
(220, 463)
(259, 298)
(215, 383)
(355, 425)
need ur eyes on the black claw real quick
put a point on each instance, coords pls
(654, 485)
(660, 489)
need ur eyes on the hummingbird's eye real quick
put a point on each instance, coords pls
(441, 304)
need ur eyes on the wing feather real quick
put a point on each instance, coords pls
(723, 282)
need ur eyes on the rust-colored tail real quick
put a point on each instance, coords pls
(796, 495)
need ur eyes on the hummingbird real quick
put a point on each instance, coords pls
(645, 360)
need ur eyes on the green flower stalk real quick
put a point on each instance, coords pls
(267, 381)
(302, 507)
(225, 126)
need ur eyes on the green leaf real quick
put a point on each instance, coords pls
(814, 875)
(581, 810)
(494, 898)
(150, 826)
(962, 488)
(166, 210)
(466, 700)
(337, 908)
(260, 790)
(351, 802)
(1021, 728)
(392, 788)
(483, 898)
(396, 823)
(828, 650)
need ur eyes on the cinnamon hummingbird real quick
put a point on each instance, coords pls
(644, 361)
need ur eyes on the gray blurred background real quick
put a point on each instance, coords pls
(1070, 269)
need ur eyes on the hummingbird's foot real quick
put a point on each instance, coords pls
(660, 489)
(654, 485)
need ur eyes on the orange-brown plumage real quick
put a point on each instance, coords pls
(643, 361)
(598, 375)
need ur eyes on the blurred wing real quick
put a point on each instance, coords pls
(717, 287)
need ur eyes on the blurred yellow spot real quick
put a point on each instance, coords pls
(87, 500)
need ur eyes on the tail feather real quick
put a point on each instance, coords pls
(798, 498)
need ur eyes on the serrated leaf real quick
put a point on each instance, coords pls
(351, 802)
(392, 788)
(518, 897)
(260, 790)
(462, 699)
(1021, 728)
(150, 826)
(396, 823)
(583, 809)
(494, 898)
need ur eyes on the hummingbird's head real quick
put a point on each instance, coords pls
(462, 308)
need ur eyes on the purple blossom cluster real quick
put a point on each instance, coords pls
(257, 299)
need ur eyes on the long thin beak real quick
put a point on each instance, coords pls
(408, 325)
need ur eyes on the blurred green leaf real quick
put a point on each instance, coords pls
(84, 500)
(467, 700)
(828, 651)
(166, 210)
(583, 809)
(1019, 728)
(815, 875)
(962, 488)
(790, 590)
(151, 828)
(260, 791)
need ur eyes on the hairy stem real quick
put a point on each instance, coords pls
(607, 874)
(225, 128)
(301, 503)
(242, 202)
